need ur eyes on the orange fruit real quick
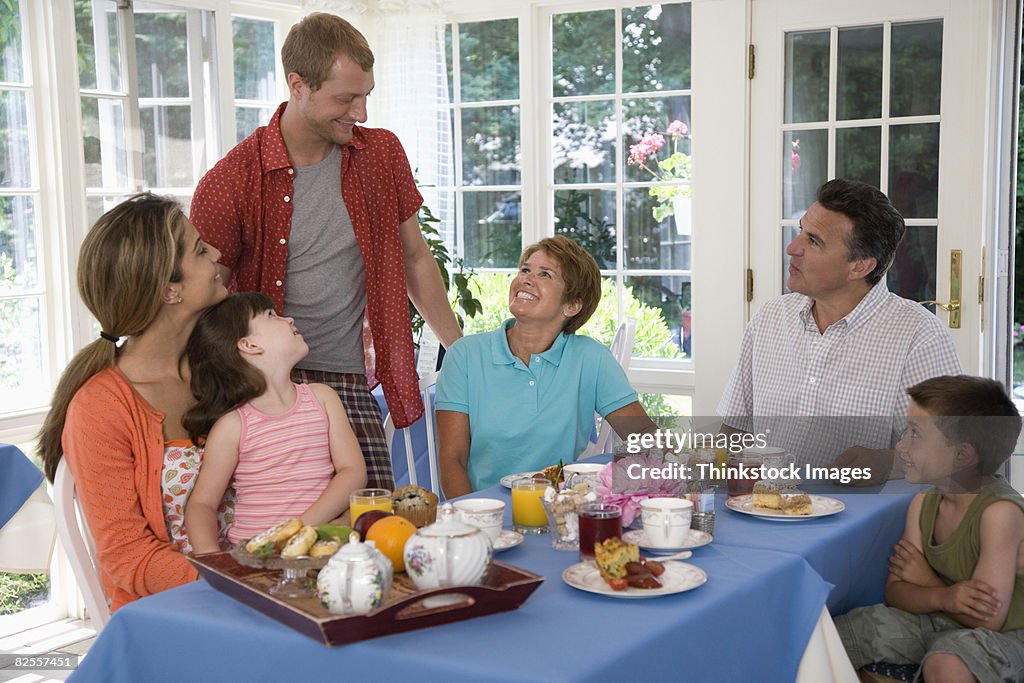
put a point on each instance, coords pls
(389, 534)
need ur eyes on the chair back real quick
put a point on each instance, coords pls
(622, 349)
(429, 423)
(77, 541)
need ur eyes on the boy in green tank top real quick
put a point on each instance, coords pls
(954, 598)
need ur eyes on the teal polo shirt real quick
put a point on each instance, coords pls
(521, 417)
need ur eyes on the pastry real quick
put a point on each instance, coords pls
(324, 548)
(766, 494)
(275, 534)
(611, 556)
(779, 497)
(300, 543)
(416, 504)
(793, 501)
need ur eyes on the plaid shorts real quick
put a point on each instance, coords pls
(880, 633)
(365, 417)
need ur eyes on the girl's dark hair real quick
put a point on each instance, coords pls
(221, 379)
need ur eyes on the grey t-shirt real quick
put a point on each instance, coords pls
(326, 281)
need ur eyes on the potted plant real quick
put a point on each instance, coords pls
(672, 199)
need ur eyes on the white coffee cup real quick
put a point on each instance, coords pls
(772, 458)
(579, 472)
(666, 521)
(486, 514)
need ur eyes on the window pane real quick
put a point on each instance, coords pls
(15, 159)
(859, 87)
(916, 81)
(659, 305)
(248, 119)
(650, 244)
(914, 169)
(583, 144)
(859, 154)
(492, 229)
(97, 206)
(167, 161)
(655, 115)
(490, 146)
(583, 53)
(19, 260)
(99, 54)
(804, 169)
(161, 54)
(12, 56)
(588, 217)
(489, 60)
(21, 362)
(106, 161)
(807, 64)
(656, 48)
(255, 57)
(913, 270)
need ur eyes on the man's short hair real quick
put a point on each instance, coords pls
(877, 226)
(317, 41)
(972, 410)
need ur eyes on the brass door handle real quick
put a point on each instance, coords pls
(953, 307)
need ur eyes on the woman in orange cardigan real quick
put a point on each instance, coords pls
(145, 275)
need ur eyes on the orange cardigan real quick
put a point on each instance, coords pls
(114, 444)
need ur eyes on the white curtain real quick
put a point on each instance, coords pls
(411, 94)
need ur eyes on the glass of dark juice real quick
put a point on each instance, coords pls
(598, 521)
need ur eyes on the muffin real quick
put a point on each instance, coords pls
(416, 504)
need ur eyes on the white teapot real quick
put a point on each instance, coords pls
(356, 580)
(447, 553)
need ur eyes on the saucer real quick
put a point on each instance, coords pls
(507, 539)
(696, 539)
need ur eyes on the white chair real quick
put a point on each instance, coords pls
(429, 423)
(77, 541)
(622, 349)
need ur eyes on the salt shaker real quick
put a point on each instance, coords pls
(704, 511)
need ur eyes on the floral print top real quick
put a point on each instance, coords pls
(182, 460)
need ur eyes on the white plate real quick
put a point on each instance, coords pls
(678, 577)
(638, 537)
(507, 539)
(507, 480)
(821, 506)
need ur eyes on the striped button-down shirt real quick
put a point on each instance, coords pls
(818, 394)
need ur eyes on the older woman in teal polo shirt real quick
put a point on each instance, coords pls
(524, 396)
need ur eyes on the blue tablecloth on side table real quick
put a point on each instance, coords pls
(751, 621)
(19, 477)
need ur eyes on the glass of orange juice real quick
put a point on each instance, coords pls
(528, 514)
(365, 500)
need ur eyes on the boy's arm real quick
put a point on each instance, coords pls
(220, 457)
(349, 466)
(1002, 531)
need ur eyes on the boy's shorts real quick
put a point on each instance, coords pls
(880, 633)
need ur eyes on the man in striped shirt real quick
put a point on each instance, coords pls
(823, 371)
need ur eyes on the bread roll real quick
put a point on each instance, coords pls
(275, 534)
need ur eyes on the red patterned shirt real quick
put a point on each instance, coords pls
(242, 206)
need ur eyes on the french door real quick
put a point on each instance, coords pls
(892, 94)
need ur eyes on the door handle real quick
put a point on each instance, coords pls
(953, 307)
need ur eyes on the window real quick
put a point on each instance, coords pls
(255, 60)
(483, 79)
(145, 115)
(22, 290)
(617, 78)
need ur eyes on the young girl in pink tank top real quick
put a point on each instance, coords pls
(287, 449)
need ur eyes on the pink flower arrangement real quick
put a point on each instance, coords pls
(628, 492)
(675, 168)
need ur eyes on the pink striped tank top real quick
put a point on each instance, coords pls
(284, 464)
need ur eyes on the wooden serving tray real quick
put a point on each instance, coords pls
(503, 588)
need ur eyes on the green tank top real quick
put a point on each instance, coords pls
(955, 560)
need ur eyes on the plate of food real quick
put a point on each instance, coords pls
(294, 548)
(784, 504)
(619, 571)
(553, 474)
(507, 539)
(696, 539)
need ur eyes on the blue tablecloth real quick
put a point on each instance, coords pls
(849, 550)
(750, 622)
(19, 477)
